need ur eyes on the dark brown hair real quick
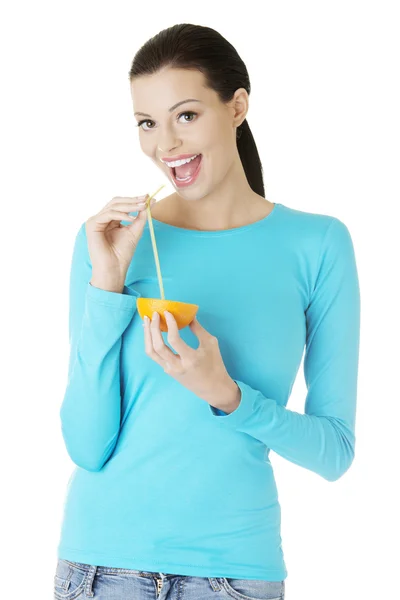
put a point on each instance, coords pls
(187, 46)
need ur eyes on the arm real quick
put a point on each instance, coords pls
(91, 409)
(323, 439)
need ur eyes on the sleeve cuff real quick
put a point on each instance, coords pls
(218, 411)
(125, 301)
(244, 410)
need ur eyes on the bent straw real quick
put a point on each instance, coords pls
(153, 242)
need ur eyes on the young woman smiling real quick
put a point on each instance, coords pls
(173, 494)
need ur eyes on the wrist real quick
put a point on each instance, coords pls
(229, 399)
(109, 285)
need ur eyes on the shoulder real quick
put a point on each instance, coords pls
(313, 230)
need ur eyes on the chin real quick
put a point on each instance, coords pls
(190, 195)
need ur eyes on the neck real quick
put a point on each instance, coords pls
(232, 203)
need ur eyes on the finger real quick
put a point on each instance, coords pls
(129, 206)
(204, 336)
(148, 343)
(158, 343)
(175, 339)
(112, 215)
(131, 199)
(154, 344)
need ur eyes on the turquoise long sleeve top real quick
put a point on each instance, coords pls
(165, 482)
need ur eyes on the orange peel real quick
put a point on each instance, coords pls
(183, 312)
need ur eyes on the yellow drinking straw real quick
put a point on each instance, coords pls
(153, 241)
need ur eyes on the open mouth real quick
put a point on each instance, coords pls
(194, 170)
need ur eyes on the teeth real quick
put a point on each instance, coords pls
(178, 163)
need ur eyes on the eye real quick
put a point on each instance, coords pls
(143, 121)
(187, 112)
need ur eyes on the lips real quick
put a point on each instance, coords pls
(178, 157)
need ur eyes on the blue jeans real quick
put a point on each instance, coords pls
(78, 580)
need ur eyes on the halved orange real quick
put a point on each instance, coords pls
(183, 312)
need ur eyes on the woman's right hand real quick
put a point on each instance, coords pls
(111, 245)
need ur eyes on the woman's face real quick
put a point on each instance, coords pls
(203, 126)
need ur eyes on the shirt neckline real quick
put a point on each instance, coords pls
(217, 233)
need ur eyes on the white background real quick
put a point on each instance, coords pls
(324, 112)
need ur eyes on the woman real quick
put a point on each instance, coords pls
(174, 492)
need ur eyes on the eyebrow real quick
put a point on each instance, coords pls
(172, 107)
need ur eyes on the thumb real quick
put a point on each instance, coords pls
(199, 330)
(143, 214)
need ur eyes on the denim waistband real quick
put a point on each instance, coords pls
(102, 569)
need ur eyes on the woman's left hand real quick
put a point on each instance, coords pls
(202, 371)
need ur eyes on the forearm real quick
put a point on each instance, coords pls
(90, 411)
(319, 443)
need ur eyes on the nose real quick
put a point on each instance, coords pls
(168, 151)
(168, 143)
